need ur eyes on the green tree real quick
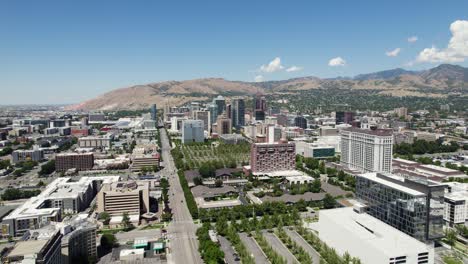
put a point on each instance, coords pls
(105, 217)
(108, 241)
(126, 224)
(219, 183)
(47, 168)
(316, 186)
(329, 201)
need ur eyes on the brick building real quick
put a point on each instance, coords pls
(79, 161)
(266, 157)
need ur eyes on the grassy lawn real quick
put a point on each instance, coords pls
(110, 231)
(154, 226)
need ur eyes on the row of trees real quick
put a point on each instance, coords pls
(233, 236)
(315, 187)
(288, 213)
(23, 167)
(209, 250)
(15, 194)
(167, 214)
(301, 255)
(191, 204)
(271, 254)
(327, 253)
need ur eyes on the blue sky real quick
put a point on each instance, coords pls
(69, 51)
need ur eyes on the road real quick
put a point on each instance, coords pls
(279, 247)
(229, 252)
(255, 251)
(302, 243)
(183, 242)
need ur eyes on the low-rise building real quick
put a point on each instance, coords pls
(94, 142)
(27, 155)
(369, 239)
(314, 150)
(140, 161)
(218, 197)
(424, 171)
(130, 197)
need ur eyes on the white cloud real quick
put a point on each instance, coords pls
(338, 61)
(273, 66)
(456, 50)
(294, 69)
(412, 39)
(259, 78)
(393, 53)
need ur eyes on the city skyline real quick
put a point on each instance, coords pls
(66, 53)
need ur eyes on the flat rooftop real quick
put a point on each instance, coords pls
(285, 173)
(126, 186)
(375, 132)
(363, 233)
(59, 188)
(373, 177)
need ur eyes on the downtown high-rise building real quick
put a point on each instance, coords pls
(205, 116)
(238, 112)
(344, 117)
(259, 107)
(153, 111)
(300, 121)
(220, 103)
(192, 131)
(367, 150)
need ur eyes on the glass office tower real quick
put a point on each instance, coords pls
(413, 206)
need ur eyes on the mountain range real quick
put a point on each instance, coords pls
(441, 81)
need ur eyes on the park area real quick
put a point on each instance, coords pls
(215, 153)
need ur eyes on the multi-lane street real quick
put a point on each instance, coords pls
(181, 231)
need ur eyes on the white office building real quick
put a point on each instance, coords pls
(367, 150)
(369, 239)
(192, 131)
(456, 203)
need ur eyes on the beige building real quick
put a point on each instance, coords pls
(223, 125)
(130, 197)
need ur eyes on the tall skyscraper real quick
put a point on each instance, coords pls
(224, 125)
(220, 103)
(205, 117)
(153, 112)
(344, 117)
(300, 121)
(367, 150)
(259, 107)
(213, 109)
(192, 131)
(238, 112)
